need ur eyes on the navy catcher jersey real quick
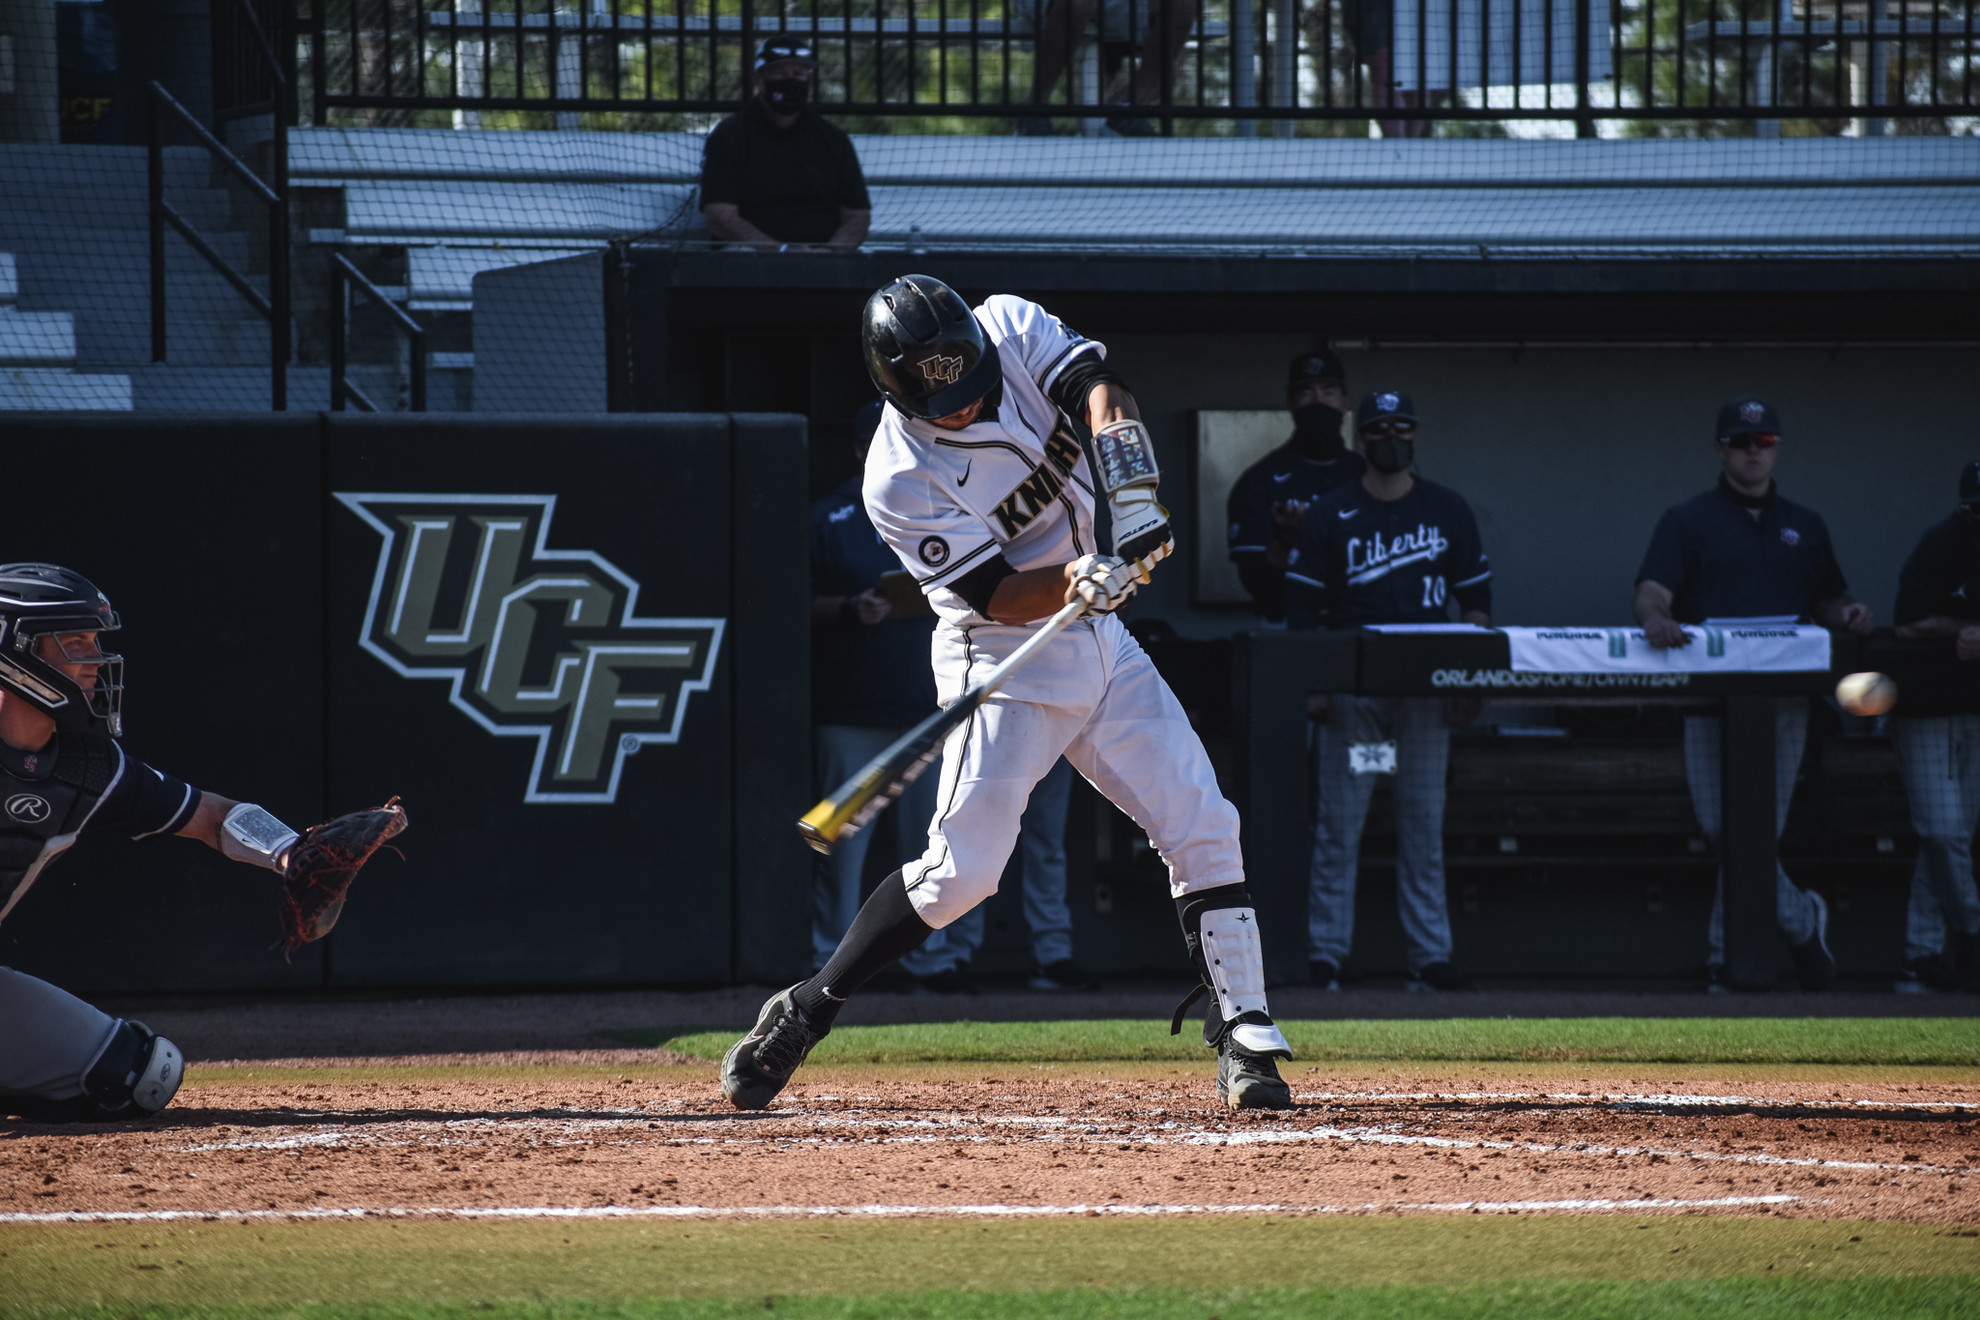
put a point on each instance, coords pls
(77, 786)
(1360, 560)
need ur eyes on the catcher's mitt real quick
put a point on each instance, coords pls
(321, 866)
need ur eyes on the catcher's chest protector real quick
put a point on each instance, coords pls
(40, 818)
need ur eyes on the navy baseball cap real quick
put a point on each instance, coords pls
(1969, 483)
(775, 49)
(1747, 415)
(1384, 406)
(1318, 365)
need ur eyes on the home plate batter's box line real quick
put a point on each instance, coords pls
(1576, 1205)
(1167, 1134)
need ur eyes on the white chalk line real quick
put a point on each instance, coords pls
(1582, 1205)
(1629, 1101)
(927, 1131)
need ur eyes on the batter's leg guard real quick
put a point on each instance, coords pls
(136, 1075)
(1220, 926)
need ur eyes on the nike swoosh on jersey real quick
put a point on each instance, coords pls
(1282, 476)
(963, 480)
(1345, 514)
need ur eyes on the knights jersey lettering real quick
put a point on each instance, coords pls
(1359, 560)
(77, 786)
(1015, 482)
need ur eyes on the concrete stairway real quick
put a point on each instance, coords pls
(76, 221)
(38, 355)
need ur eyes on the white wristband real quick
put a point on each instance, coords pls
(251, 835)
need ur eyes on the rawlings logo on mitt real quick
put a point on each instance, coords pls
(321, 866)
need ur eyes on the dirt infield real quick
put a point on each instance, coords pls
(620, 1133)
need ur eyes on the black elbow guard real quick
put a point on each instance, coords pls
(979, 584)
(1087, 370)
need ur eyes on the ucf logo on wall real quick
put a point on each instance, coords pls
(538, 643)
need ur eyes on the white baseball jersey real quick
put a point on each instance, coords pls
(1019, 484)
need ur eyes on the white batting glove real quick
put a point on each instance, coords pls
(1129, 475)
(1142, 534)
(1103, 582)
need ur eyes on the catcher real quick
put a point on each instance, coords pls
(63, 775)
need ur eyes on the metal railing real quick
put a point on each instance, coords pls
(274, 305)
(1243, 61)
(344, 279)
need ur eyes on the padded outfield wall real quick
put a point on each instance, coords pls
(564, 641)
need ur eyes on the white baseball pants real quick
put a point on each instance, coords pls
(1093, 696)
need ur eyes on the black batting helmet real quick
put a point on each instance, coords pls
(45, 600)
(924, 350)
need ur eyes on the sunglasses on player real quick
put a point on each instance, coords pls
(1389, 428)
(1751, 440)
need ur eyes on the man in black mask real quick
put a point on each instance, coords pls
(1390, 548)
(1266, 503)
(778, 177)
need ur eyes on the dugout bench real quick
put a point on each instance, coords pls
(1588, 792)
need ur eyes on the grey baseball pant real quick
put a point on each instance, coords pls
(49, 1039)
(1939, 762)
(1794, 907)
(1421, 732)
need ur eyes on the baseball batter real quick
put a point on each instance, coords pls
(979, 484)
(63, 774)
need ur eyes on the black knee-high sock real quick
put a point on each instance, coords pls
(886, 930)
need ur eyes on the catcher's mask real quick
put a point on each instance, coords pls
(44, 611)
(924, 350)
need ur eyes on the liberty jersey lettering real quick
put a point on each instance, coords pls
(1360, 560)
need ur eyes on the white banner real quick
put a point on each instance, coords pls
(1715, 648)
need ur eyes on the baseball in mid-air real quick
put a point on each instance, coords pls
(1866, 694)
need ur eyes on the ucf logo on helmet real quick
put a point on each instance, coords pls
(948, 370)
(539, 643)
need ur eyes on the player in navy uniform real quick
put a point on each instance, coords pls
(1389, 548)
(64, 775)
(1265, 504)
(1939, 753)
(1740, 552)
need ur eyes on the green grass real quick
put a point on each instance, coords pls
(1749, 1299)
(1365, 1266)
(1872, 1041)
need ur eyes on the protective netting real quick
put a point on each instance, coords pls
(436, 141)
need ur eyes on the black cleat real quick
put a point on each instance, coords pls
(1249, 1078)
(1437, 976)
(1324, 973)
(757, 1066)
(1065, 977)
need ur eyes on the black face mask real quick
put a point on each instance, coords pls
(1390, 454)
(787, 95)
(1317, 432)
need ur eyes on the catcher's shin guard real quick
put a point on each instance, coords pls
(1221, 929)
(135, 1075)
